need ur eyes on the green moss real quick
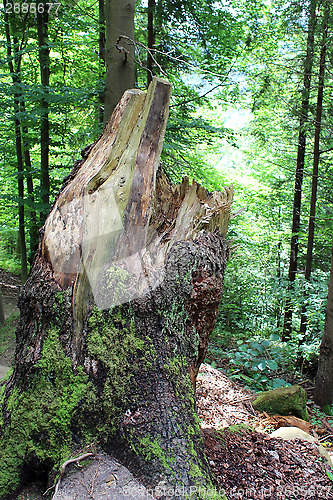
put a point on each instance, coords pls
(3, 383)
(130, 354)
(120, 333)
(39, 429)
(151, 449)
(175, 365)
(283, 401)
(239, 428)
(118, 278)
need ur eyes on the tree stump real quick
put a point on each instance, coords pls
(117, 311)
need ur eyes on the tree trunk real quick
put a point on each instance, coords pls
(151, 39)
(44, 63)
(101, 54)
(119, 54)
(16, 78)
(33, 227)
(15, 72)
(287, 321)
(20, 182)
(323, 391)
(118, 309)
(316, 155)
(2, 311)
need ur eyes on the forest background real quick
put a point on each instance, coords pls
(251, 106)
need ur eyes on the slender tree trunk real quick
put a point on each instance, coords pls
(20, 181)
(151, 39)
(117, 312)
(316, 155)
(15, 71)
(287, 322)
(44, 63)
(119, 53)
(33, 226)
(323, 391)
(101, 54)
(2, 311)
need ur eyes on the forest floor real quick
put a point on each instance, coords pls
(247, 463)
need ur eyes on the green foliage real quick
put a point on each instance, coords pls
(256, 362)
(317, 415)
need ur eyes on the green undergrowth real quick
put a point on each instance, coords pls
(39, 433)
(9, 261)
(257, 359)
(317, 415)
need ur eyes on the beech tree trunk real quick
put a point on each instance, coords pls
(150, 38)
(117, 311)
(44, 64)
(14, 65)
(119, 51)
(101, 55)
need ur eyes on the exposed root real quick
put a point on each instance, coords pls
(63, 469)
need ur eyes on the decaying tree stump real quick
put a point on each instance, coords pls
(117, 311)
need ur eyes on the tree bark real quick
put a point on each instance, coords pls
(287, 321)
(323, 391)
(33, 226)
(15, 75)
(119, 53)
(117, 311)
(151, 39)
(44, 63)
(316, 155)
(101, 54)
(2, 311)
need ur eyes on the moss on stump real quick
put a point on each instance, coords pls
(283, 401)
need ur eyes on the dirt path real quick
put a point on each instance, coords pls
(10, 288)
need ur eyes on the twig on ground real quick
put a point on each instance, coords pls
(237, 401)
(93, 480)
(63, 469)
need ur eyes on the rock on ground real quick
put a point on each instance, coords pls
(103, 479)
